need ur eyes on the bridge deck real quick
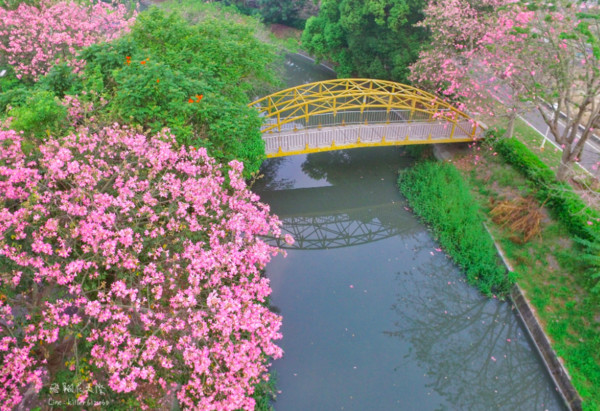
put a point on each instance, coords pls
(310, 140)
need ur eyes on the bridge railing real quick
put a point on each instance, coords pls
(328, 138)
(346, 118)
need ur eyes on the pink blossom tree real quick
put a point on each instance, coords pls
(449, 66)
(555, 60)
(33, 38)
(139, 264)
(543, 57)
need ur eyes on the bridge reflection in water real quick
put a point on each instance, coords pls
(393, 320)
(328, 217)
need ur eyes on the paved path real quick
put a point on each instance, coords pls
(591, 152)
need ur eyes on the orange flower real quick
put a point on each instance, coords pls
(142, 62)
(158, 80)
(190, 101)
(199, 97)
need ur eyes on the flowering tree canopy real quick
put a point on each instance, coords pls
(542, 56)
(137, 262)
(458, 64)
(34, 38)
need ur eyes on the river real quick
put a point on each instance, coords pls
(375, 315)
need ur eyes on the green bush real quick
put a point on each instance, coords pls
(150, 76)
(41, 115)
(560, 198)
(439, 195)
(13, 92)
(60, 80)
(565, 205)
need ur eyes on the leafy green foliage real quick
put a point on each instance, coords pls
(40, 116)
(592, 258)
(194, 79)
(264, 393)
(566, 205)
(581, 221)
(367, 39)
(12, 90)
(282, 11)
(439, 195)
(155, 96)
(59, 80)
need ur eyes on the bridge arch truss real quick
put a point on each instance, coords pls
(348, 113)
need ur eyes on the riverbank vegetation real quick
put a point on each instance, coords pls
(552, 268)
(557, 278)
(437, 193)
(130, 247)
(496, 58)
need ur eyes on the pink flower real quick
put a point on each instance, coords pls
(157, 265)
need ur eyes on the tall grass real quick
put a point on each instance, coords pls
(440, 196)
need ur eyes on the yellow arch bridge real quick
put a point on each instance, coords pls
(349, 113)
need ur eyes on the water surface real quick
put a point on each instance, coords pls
(375, 315)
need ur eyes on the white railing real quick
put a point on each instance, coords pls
(352, 135)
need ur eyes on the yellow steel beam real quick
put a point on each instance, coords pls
(383, 143)
(339, 95)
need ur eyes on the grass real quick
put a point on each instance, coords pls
(549, 154)
(552, 275)
(438, 194)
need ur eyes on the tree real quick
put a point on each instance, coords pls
(555, 59)
(137, 262)
(281, 11)
(34, 37)
(375, 39)
(453, 63)
(544, 56)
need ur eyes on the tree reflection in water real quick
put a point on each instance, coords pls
(498, 363)
(268, 179)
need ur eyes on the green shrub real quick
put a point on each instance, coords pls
(439, 195)
(41, 115)
(419, 151)
(60, 80)
(13, 92)
(581, 221)
(149, 77)
(560, 198)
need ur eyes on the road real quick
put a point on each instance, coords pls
(590, 157)
(591, 153)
